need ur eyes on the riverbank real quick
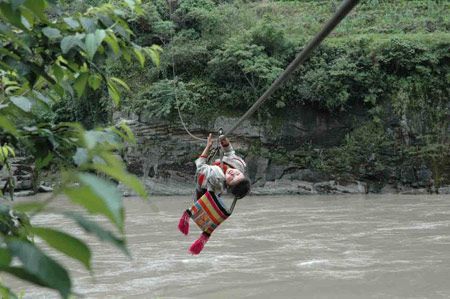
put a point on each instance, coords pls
(290, 187)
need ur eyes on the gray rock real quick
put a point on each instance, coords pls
(331, 187)
(283, 186)
(444, 190)
(274, 172)
(246, 128)
(303, 175)
(23, 185)
(414, 191)
(24, 193)
(257, 168)
(43, 188)
(389, 189)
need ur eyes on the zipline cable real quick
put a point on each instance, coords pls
(340, 14)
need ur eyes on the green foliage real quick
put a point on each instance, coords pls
(163, 97)
(49, 58)
(66, 244)
(383, 68)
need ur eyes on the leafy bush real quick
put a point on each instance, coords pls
(47, 58)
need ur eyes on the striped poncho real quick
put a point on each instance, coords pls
(208, 213)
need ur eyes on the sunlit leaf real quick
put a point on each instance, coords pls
(154, 53)
(113, 92)
(80, 83)
(8, 126)
(44, 268)
(126, 54)
(122, 83)
(65, 243)
(112, 42)
(58, 72)
(94, 81)
(102, 234)
(140, 57)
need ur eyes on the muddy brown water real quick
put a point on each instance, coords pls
(376, 246)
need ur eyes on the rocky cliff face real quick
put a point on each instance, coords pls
(164, 155)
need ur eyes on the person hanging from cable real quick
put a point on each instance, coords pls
(209, 210)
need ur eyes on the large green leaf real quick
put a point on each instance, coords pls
(5, 257)
(8, 126)
(51, 33)
(154, 53)
(113, 92)
(98, 196)
(72, 23)
(140, 57)
(119, 174)
(86, 197)
(94, 81)
(70, 41)
(25, 275)
(67, 244)
(109, 194)
(22, 102)
(12, 15)
(102, 234)
(93, 41)
(121, 82)
(89, 24)
(111, 39)
(37, 7)
(28, 18)
(39, 265)
(80, 83)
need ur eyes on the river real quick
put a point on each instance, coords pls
(375, 246)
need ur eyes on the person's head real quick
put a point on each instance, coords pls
(237, 183)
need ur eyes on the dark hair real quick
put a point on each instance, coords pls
(241, 189)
